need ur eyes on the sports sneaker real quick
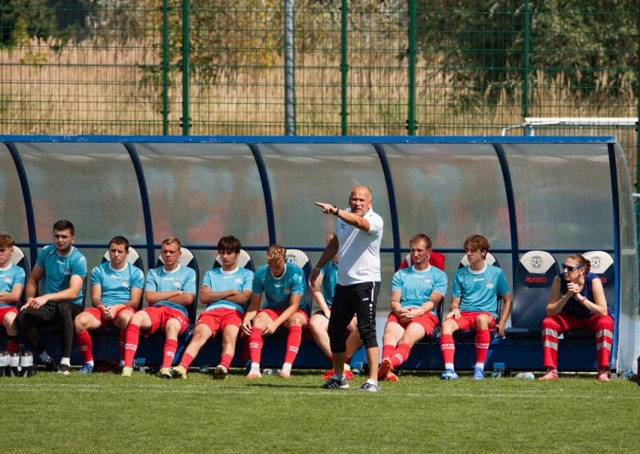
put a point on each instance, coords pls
(449, 374)
(63, 369)
(384, 369)
(392, 377)
(179, 372)
(603, 375)
(165, 372)
(50, 364)
(551, 375)
(86, 369)
(253, 375)
(336, 383)
(127, 372)
(478, 373)
(369, 387)
(220, 372)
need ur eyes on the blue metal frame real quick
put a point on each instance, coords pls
(28, 202)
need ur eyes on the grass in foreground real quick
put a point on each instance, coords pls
(104, 412)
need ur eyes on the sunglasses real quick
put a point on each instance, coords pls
(570, 268)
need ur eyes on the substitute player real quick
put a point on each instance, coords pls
(226, 291)
(474, 305)
(12, 279)
(283, 285)
(116, 292)
(416, 294)
(168, 290)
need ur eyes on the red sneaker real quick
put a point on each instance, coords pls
(551, 375)
(603, 375)
(384, 369)
(392, 377)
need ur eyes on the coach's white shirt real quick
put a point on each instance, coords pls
(359, 252)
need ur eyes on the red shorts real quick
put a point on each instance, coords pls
(160, 315)
(97, 314)
(275, 313)
(7, 310)
(467, 320)
(219, 319)
(428, 321)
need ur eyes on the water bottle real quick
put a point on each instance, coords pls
(14, 365)
(269, 371)
(26, 364)
(203, 369)
(4, 364)
(498, 370)
(525, 376)
(139, 365)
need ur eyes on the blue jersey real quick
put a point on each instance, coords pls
(416, 286)
(573, 306)
(217, 280)
(183, 278)
(329, 281)
(9, 277)
(58, 270)
(479, 291)
(116, 285)
(278, 291)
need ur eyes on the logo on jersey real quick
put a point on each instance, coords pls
(125, 283)
(177, 284)
(7, 280)
(490, 285)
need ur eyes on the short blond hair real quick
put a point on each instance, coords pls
(276, 253)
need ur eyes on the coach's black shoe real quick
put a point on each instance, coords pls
(63, 369)
(50, 364)
(336, 383)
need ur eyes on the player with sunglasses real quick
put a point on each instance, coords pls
(577, 301)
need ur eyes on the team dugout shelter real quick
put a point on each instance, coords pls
(557, 195)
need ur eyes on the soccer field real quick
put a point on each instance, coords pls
(106, 413)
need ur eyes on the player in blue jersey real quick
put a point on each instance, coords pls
(116, 292)
(323, 291)
(416, 294)
(474, 305)
(62, 270)
(226, 292)
(12, 280)
(357, 242)
(168, 290)
(283, 285)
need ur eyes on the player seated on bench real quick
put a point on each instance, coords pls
(168, 290)
(226, 291)
(474, 305)
(283, 284)
(416, 294)
(116, 292)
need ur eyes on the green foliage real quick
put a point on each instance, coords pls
(106, 413)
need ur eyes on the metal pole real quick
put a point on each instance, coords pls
(186, 121)
(289, 69)
(165, 67)
(344, 68)
(525, 62)
(411, 121)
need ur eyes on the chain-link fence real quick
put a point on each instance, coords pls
(317, 67)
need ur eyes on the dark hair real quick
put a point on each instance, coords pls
(63, 224)
(421, 237)
(582, 261)
(229, 243)
(120, 240)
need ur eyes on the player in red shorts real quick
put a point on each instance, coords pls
(116, 292)
(168, 290)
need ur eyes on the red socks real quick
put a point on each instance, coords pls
(85, 345)
(293, 344)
